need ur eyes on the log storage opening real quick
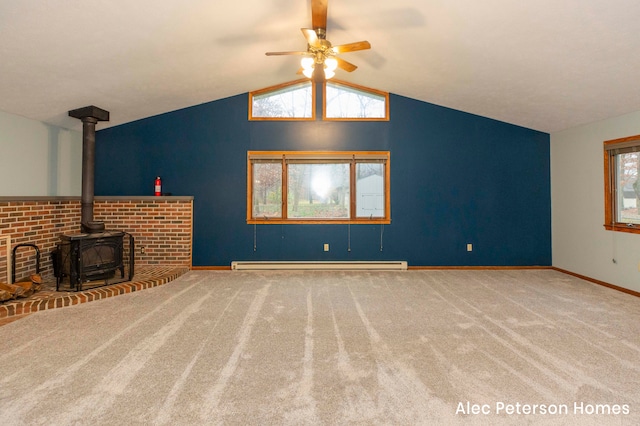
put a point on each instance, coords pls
(20, 289)
(13, 290)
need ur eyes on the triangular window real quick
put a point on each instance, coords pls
(343, 101)
(290, 101)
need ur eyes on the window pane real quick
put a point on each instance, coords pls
(628, 187)
(267, 190)
(370, 190)
(318, 191)
(348, 102)
(295, 101)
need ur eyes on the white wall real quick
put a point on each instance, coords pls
(580, 242)
(38, 158)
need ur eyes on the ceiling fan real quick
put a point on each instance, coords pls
(321, 54)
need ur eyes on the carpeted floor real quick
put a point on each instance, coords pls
(415, 347)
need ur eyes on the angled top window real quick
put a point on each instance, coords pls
(318, 187)
(343, 101)
(622, 184)
(290, 101)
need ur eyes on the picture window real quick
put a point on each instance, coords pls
(318, 187)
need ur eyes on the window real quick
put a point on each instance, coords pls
(318, 187)
(343, 101)
(297, 101)
(290, 101)
(622, 186)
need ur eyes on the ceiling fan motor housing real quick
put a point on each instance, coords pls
(322, 33)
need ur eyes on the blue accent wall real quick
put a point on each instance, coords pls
(456, 178)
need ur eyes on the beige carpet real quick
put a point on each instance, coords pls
(295, 348)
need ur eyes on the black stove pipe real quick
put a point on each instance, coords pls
(89, 115)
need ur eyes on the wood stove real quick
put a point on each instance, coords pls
(96, 259)
(94, 255)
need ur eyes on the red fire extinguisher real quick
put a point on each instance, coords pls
(158, 186)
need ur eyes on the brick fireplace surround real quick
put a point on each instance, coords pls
(160, 225)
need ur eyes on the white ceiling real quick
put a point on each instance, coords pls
(544, 64)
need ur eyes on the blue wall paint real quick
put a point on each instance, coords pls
(456, 178)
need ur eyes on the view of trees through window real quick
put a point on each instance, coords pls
(628, 194)
(267, 189)
(291, 101)
(318, 190)
(347, 102)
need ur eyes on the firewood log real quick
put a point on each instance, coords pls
(28, 288)
(5, 295)
(36, 279)
(15, 290)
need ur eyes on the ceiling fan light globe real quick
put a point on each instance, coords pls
(328, 74)
(331, 64)
(307, 63)
(308, 72)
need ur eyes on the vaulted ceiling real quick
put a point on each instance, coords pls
(544, 64)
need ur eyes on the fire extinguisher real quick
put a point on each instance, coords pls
(158, 186)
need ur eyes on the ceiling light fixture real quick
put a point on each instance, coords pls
(329, 65)
(320, 50)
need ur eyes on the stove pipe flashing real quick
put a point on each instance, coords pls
(89, 115)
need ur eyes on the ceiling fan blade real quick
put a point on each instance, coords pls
(347, 66)
(352, 47)
(311, 36)
(319, 14)
(285, 53)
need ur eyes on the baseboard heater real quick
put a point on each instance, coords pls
(393, 265)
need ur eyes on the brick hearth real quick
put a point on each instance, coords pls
(162, 228)
(49, 298)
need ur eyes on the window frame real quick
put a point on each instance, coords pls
(326, 157)
(358, 88)
(280, 87)
(611, 149)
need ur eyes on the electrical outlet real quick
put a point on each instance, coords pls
(326, 247)
(469, 247)
(142, 250)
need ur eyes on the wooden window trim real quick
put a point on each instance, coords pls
(610, 189)
(292, 155)
(279, 87)
(357, 87)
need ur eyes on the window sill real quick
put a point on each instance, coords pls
(619, 227)
(275, 221)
